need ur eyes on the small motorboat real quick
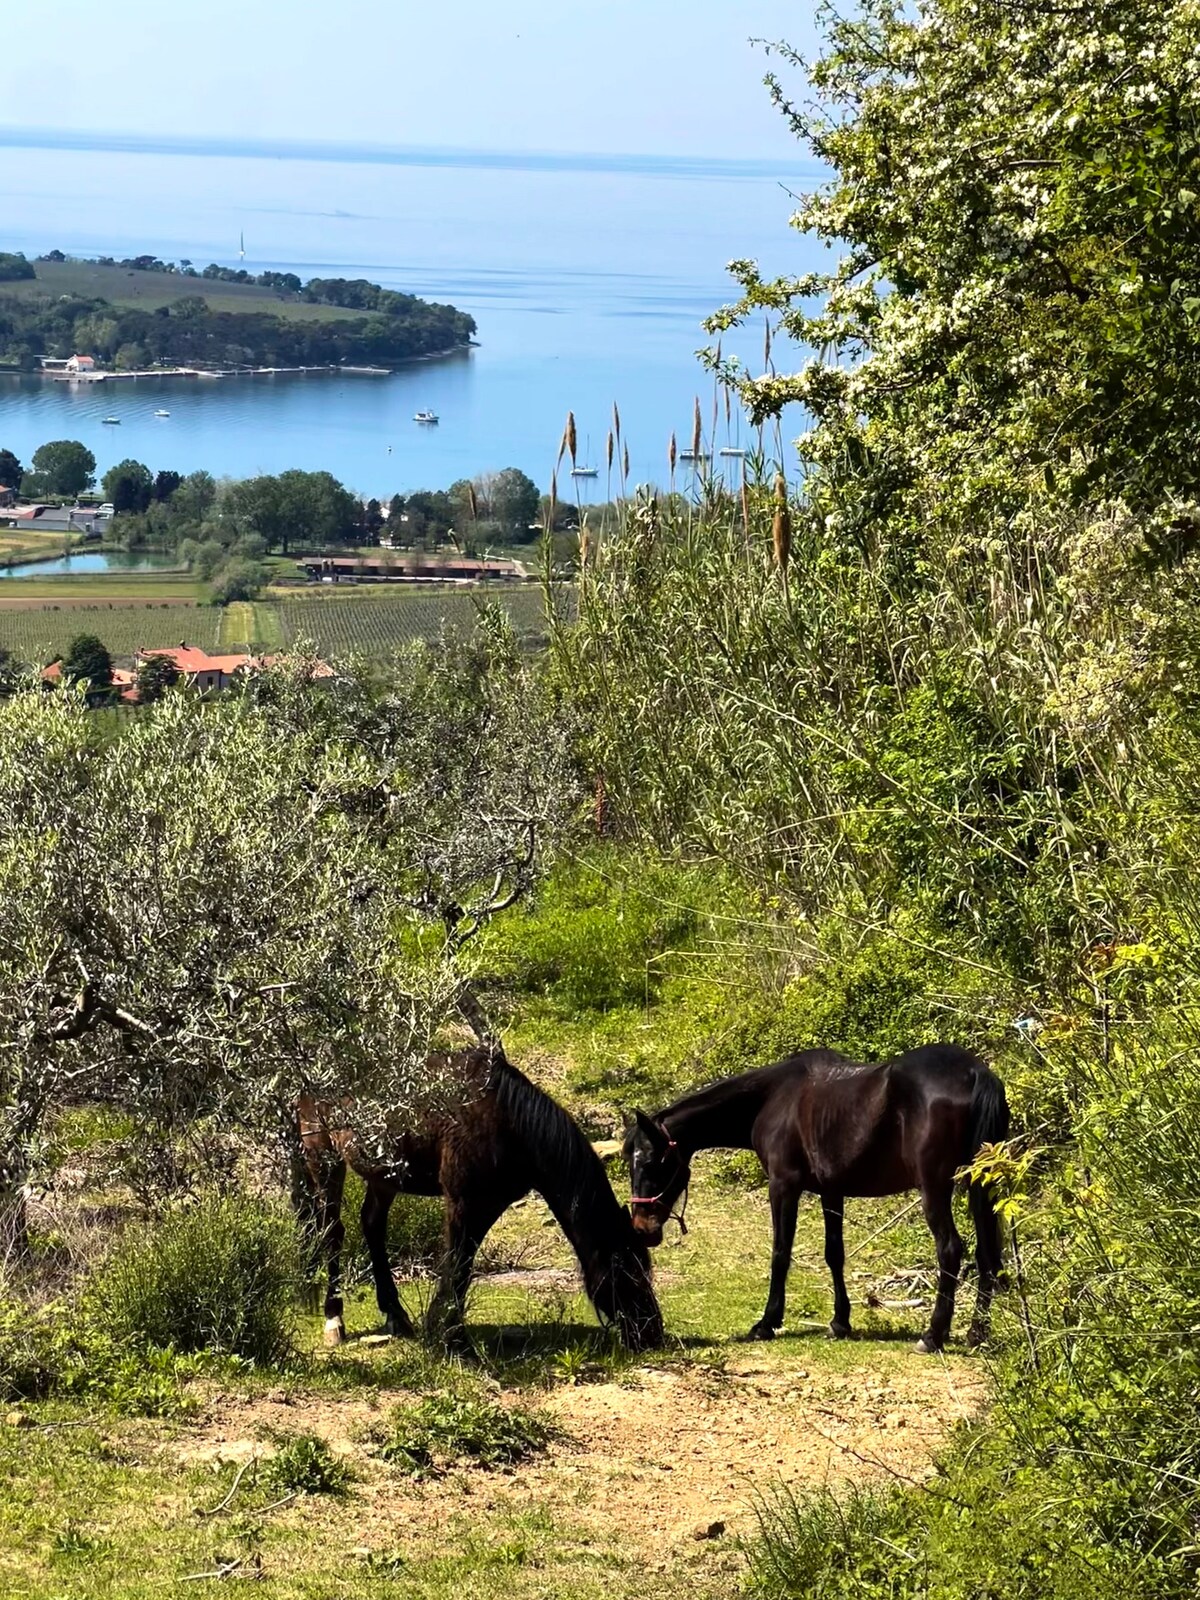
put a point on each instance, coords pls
(112, 422)
(426, 416)
(693, 455)
(162, 413)
(730, 450)
(585, 472)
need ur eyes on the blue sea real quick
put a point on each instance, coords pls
(589, 278)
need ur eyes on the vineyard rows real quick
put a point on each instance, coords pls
(375, 623)
(41, 633)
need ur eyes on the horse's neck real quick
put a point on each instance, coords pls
(721, 1120)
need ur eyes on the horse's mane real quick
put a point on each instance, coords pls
(572, 1179)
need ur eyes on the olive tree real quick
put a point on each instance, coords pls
(224, 905)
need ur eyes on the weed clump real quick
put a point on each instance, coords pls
(222, 1275)
(443, 1428)
(304, 1464)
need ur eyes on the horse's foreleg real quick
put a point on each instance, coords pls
(938, 1205)
(785, 1203)
(377, 1202)
(835, 1260)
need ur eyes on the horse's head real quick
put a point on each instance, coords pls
(622, 1291)
(658, 1175)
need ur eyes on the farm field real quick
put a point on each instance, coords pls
(149, 291)
(376, 621)
(38, 633)
(40, 616)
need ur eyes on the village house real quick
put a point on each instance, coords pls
(199, 670)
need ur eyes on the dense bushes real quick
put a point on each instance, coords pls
(222, 1275)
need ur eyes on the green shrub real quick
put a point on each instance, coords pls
(443, 1428)
(596, 935)
(222, 1275)
(304, 1464)
(36, 1347)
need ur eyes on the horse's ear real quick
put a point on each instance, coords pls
(649, 1127)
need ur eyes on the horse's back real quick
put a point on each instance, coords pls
(863, 1128)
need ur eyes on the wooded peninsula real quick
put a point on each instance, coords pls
(143, 312)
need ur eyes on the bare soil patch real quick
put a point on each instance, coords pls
(651, 1464)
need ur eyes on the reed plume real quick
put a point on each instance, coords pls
(697, 431)
(616, 422)
(671, 454)
(625, 462)
(569, 437)
(610, 449)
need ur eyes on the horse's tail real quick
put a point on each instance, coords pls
(987, 1123)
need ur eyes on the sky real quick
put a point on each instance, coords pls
(671, 77)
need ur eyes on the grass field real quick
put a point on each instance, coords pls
(22, 544)
(653, 1469)
(148, 291)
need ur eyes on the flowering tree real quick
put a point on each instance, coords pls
(1015, 309)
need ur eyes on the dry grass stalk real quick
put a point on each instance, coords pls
(611, 447)
(616, 422)
(552, 504)
(781, 527)
(473, 502)
(569, 437)
(672, 453)
(625, 463)
(697, 431)
(767, 343)
(745, 503)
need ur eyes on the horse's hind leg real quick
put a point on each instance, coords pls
(835, 1260)
(938, 1205)
(785, 1203)
(988, 1258)
(467, 1223)
(377, 1202)
(330, 1187)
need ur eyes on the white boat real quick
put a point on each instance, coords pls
(425, 416)
(693, 455)
(585, 472)
(730, 450)
(162, 413)
(112, 421)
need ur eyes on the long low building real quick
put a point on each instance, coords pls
(87, 520)
(410, 569)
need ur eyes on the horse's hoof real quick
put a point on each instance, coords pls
(761, 1332)
(925, 1346)
(840, 1330)
(335, 1330)
(397, 1328)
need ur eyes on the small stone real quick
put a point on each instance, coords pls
(18, 1419)
(708, 1530)
(278, 1397)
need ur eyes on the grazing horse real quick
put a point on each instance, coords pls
(502, 1138)
(821, 1123)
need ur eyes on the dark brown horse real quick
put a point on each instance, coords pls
(502, 1138)
(822, 1124)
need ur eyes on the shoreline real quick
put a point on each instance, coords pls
(222, 373)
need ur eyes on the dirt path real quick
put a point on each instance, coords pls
(654, 1463)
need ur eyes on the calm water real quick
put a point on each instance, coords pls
(588, 286)
(91, 561)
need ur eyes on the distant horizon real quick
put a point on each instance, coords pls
(351, 152)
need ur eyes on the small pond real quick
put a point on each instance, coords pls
(85, 561)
